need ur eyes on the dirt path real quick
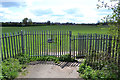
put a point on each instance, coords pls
(51, 70)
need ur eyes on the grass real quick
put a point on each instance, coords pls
(74, 28)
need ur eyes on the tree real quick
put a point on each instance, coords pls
(25, 20)
(113, 19)
(113, 22)
(29, 21)
(48, 22)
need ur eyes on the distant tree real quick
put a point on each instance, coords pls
(48, 22)
(25, 20)
(29, 21)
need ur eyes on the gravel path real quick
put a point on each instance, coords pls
(40, 69)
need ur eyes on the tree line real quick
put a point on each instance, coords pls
(28, 22)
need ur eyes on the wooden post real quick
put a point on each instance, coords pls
(70, 34)
(22, 42)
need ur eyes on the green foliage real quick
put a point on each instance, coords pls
(10, 68)
(82, 67)
(23, 58)
(67, 58)
(88, 72)
(48, 58)
(98, 66)
(112, 20)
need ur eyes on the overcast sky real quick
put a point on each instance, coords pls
(76, 11)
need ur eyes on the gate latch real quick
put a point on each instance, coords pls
(50, 40)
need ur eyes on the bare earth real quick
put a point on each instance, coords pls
(51, 70)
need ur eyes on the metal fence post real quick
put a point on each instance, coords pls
(109, 47)
(70, 34)
(22, 43)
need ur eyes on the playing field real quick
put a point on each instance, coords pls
(74, 28)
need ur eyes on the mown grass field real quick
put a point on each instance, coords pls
(74, 28)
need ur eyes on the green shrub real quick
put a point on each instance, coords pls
(23, 58)
(10, 68)
(67, 58)
(48, 58)
(107, 72)
(82, 67)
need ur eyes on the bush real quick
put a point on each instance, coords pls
(48, 58)
(107, 71)
(67, 58)
(10, 68)
(82, 67)
(23, 58)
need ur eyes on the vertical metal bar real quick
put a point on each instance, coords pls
(47, 43)
(58, 43)
(83, 45)
(95, 42)
(79, 44)
(90, 44)
(31, 42)
(87, 42)
(22, 43)
(70, 34)
(1, 47)
(9, 45)
(104, 43)
(42, 43)
(35, 41)
(6, 45)
(109, 47)
(116, 53)
(35, 45)
(17, 42)
(62, 42)
(67, 42)
(98, 42)
(51, 43)
(74, 47)
(12, 45)
(38, 42)
(113, 47)
(101, 43)
(26, 42)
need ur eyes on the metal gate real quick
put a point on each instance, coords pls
(51, 43)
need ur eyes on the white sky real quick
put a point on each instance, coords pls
(76, 11)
